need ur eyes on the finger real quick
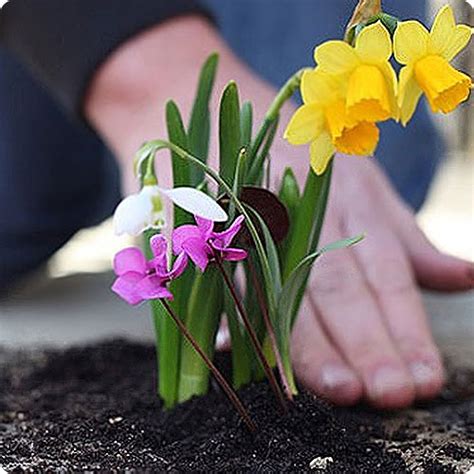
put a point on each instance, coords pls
(352, 319)
(317, 363)
(389, 275)
(433, 269)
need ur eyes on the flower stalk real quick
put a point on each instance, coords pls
(270, 329)
(228, 390)
(253, 336)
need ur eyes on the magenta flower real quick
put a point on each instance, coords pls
(201, 243)
(139, 279)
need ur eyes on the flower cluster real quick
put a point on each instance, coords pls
(139, 280)
(354, 87)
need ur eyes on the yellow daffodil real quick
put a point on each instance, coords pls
(372, 82)
(426, 56)
(323, 120)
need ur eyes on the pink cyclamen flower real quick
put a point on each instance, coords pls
(139, 280)
(201, 243)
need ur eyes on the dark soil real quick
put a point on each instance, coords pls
(94, 409)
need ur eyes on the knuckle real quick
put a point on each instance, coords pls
(388, 277)
(337, 281)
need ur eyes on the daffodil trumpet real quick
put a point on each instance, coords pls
(426, 58)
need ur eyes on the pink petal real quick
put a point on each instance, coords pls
(234, 255)
(204, 225)
(126, 287)
(159, 247)
(198, 251)
(183, 233)
(153, 287)
(228, 235)
(179, 266)
(130, 259)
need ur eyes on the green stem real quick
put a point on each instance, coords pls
(215, 371)
(253, 336)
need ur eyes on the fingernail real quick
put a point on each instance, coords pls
(387, 381)
(423, 372)
(337, 377)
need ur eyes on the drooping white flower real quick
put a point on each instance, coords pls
(144, 210)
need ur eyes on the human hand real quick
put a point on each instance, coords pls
(363, 331)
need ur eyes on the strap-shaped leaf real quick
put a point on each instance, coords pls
(204, 307)
(181, 170)
(291, 294)
(308, 221)
(229, 132)
(271, 252)
(199, 123)
(246, 124)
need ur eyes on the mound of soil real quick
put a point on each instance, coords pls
(94, 408)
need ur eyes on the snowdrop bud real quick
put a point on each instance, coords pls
(139, 212)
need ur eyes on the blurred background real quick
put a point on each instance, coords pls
(447, 217)
(76, 281)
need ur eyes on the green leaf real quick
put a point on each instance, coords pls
(199, 123)
(182, 171)
(246, 124)
(238, 179)
(168, 340)
(271, 253)
(290, 296)
(289, 193)
(204, 307)
(298, 276)
(256, 171)
(229, 132)
(306, 229)
(242, 352)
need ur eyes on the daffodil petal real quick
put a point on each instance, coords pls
(374, 45)
(410, 41)
(409, 94)
(305, 124)
(320, 87)
(321, 152)
(447, 38)
(442, 29)
(336, 57)
(196, 202)
(392, 84)
(457, 42)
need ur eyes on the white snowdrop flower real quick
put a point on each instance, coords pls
(144, 210)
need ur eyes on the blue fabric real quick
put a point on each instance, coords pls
(56, 176)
